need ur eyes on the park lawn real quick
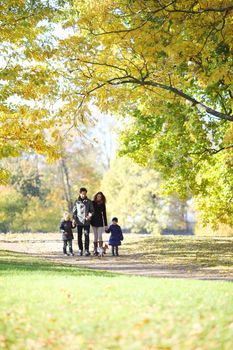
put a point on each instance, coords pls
(188, 251)
(53, 306)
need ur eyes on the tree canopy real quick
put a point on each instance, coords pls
(167, 67)
(27, 122)
(136, 52)
(164, 65)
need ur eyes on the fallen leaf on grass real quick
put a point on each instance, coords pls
(142, 323)
(2, 340)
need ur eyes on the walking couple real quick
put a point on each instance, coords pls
(88, 213)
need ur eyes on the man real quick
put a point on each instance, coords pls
(82, 213)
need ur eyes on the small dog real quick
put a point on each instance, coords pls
(102, 250)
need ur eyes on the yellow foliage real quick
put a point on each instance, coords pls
(109, 52)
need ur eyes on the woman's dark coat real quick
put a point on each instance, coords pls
(99, 219)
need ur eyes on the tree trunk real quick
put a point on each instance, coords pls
(66, 184)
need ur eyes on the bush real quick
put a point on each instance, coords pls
(12, 205)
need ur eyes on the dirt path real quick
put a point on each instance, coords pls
(130, 263)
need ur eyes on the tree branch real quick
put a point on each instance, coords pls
(128, 79)
(215, 151)
(180, 93)
(99, 64)
(150, 16)
(210, 9)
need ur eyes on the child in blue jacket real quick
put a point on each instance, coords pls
(116, 236)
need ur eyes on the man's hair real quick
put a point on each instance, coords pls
(82, 189)
(115, 219)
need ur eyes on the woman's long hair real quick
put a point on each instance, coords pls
(103, 200)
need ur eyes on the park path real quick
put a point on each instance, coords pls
(49, 246)
(130, 265)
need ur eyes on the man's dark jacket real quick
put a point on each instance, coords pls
(81, 209)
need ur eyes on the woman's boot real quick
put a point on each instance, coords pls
(95, 249)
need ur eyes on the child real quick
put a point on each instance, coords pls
(67, 234)
(116, 236)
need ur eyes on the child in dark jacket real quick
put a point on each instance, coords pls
(66, 227)
(116, 236)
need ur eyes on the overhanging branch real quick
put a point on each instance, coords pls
(178, 92)
(128, 79)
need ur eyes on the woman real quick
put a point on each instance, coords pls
(99, 219)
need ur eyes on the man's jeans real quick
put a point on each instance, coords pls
(86, 230)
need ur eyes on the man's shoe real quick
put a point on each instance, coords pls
(65, 254)
(87, 253)
(80, 253)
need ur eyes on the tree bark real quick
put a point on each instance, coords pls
(66, 184)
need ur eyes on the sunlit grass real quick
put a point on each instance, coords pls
(184, 251)
(51, 306)
(189, 253)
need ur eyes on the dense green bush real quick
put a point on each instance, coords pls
(31, 214)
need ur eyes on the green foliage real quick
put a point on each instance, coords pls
(174, 143)
(43, 187)
(21, 214)
(29, 185)
(4, 176)
(131, 196)
(215, 203)
(166, 67)
(194, 157)
(207, 230)
(134, 195)
(12, 205)
(41, 216)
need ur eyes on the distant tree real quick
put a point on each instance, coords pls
(29, 185)
(40, 216)
(12, 205)
(134, 195)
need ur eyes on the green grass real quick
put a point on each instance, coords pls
(193, 252)
(188, 252)
(51, 306)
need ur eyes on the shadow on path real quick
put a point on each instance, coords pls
(127, 264)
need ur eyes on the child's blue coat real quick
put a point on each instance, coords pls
(116, 235)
